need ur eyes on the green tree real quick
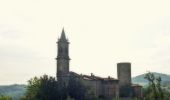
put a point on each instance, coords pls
(44, 88)
(47, 88)
(154, 90)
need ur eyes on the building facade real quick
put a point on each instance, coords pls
(109, 87)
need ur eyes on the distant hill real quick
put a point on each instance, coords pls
(14, 91)
(140, 79)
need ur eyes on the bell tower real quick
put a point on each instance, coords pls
(63, 59)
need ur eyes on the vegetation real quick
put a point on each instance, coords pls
(2, 97)
(43, 88)
(47, 88)
(154, 91)
(140, 79)
(14, 91)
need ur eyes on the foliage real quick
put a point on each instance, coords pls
(44, 88)
(165, 79)
(14, 91)
(154, 90)
(2, 97)
(47, 88)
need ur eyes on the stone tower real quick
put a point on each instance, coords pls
(63, 59)
(124, 77)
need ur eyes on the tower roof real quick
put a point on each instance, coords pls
(63, 36)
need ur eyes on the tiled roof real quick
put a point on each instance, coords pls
(93, 77)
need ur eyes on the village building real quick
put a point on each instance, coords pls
(107, 87)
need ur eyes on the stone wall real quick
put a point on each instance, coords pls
(108, 89)
(124, 77)
(137, 91)
(124, 74)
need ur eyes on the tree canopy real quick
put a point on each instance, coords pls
(47, 88)
(44, 88)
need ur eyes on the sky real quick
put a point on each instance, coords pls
(101, 33)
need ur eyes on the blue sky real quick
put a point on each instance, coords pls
(101, 33)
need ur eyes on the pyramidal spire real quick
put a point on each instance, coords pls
(63, 36)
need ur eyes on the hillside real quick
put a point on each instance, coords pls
(14, 91)
(140, 79)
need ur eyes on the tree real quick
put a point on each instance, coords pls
(44, 88)
(154, 90)
(47, 88)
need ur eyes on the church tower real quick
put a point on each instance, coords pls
(63, 59)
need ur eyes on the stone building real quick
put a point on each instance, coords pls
(107, 87)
